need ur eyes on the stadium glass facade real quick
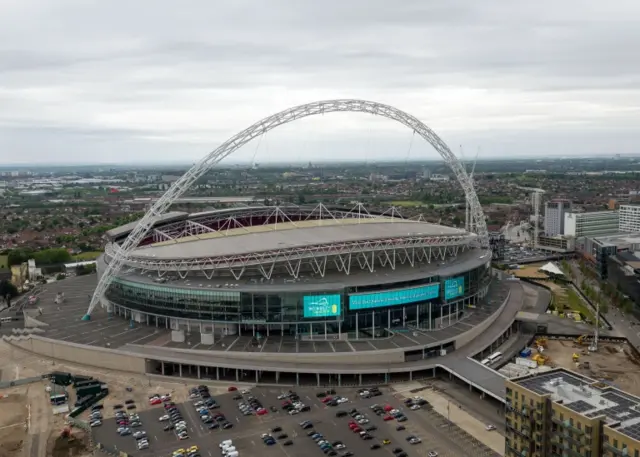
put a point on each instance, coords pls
(424, 303)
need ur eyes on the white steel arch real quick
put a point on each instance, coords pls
(179, 187)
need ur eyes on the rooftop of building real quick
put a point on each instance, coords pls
(632, 259)
(588, 397)
(609, 212)
(618, 238)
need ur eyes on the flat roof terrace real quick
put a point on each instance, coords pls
(247, 242)
(589, 398)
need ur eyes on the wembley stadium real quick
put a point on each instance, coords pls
(303, 272)
(287, 295)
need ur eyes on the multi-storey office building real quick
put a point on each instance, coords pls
(629, 218)
(560, 413)
(554, 212)
(599, 249)
(591, 224)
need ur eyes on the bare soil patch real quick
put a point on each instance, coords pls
(615, 364)
(75, 445)
(13, 424)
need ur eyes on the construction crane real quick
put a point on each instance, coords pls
(594, 345)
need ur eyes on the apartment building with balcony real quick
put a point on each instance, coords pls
(560, 413)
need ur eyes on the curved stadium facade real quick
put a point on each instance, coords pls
(305, 272)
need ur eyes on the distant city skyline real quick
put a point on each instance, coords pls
(169, 83)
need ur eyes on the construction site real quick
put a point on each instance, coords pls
(31, 424)
(13, 423)
(615, 364)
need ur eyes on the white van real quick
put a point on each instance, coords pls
(232, 454)
(226, 443)
(227, 449)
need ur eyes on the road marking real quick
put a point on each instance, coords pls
(237, 419)
(156, 438)
(12, 425)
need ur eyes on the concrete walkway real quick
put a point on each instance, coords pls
(458, 416)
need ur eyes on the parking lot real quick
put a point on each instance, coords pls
(436, 433)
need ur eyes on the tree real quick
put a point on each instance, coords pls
(8, 291)
(18, 256)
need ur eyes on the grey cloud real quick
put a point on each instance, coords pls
(126, 70)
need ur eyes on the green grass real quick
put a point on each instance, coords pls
(4, 261)
(84, 256)
(407, 203)
(576, 304)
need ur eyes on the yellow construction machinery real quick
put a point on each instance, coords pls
(540, 359)
(541, 342)
(575, 357)
(584, 339)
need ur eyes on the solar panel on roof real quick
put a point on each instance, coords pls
(579, 406)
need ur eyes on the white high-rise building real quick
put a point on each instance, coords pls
(554, 211)
(595, 223)
(629, 218)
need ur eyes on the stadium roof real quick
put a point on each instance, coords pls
(333, 280)
(241, 242)
(125, 229)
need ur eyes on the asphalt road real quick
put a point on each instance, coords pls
(433, 429)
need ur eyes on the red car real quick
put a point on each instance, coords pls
(388, 408)
(261, 412)
(326, 399)
(155, 401)
(387, 418)
(232, 389)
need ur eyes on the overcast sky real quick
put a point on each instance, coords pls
(85, 81)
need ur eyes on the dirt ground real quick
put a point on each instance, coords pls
(77, 445)
(613, 363)
(13, 423)
(44, 429)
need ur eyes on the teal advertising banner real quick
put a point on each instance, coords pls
(453, 288)
(321, 305)
(394, 297)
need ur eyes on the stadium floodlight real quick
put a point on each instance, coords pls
(179, 187)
